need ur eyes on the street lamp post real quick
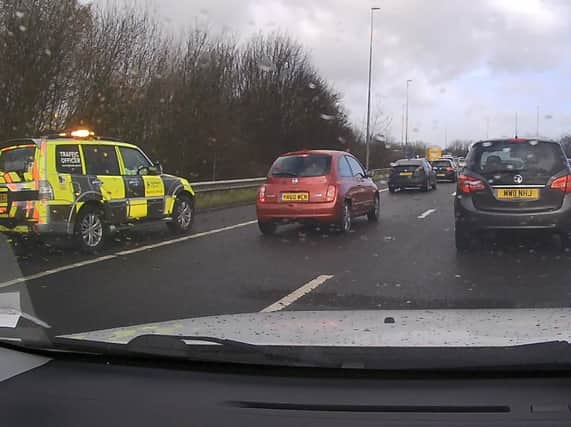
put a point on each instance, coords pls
(406, 120)
(537, 123)
(368, 131)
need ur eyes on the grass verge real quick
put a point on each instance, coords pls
(220, 199)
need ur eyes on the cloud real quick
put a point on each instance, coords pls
(464, 56)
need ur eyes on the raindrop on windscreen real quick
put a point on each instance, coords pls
(312, 85)
(20, 14)
(48, 52)
(342, 140)
(415, 130)
(534, 142)
(327, 116)
(22, 28)
(487, 144)
(510, 166)
(204, 12)
(548, 117)
(442, 90)
(506, 149)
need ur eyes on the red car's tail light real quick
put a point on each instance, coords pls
(262, 194)
(331, 193)
(469, 184)
(562, 184)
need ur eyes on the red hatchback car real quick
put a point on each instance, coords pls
(316, 187)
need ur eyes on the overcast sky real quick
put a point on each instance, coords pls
(471, 61)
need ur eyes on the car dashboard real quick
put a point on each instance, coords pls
(88, 391)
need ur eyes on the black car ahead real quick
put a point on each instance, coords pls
(412, 173)
(513, 184)
(445, 170)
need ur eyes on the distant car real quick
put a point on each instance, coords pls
(513, 184)
(316, 187)
(461, 162)
(445, 170)
(411, 173)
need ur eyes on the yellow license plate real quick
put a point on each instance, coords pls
(440, 174)
(406, 174)
(295, 197)
(3, 197)
(518, 193)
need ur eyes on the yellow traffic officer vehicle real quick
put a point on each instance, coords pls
(81, 185)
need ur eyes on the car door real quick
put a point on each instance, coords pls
(145, 191)
(104, 177)
(364, 199)
(347, 183)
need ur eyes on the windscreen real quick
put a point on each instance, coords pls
(287, 174)
(441, 164)
(301, 166)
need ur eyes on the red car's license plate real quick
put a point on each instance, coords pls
(295, 197)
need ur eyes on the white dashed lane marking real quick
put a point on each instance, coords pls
(426, 213)
(297, 294)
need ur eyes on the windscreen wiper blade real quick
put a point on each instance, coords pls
(219, 349)
(284, 174)
(198, 348)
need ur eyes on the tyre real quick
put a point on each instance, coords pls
(90, 230)
(426, 187)
(345, 221)
(392, 189)
(375, 213)
(267, 227)
(182, 215)
(462, 238)
(434, 185)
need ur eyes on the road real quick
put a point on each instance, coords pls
(407, 260)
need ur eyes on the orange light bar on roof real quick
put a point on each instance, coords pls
(81, 133)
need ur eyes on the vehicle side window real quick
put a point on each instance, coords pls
(344, 168)
(101, 160)
(68, 159)
(133, 160)
(355, 166)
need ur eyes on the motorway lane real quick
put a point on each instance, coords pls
(402, 262)
(418, 267)
(34, 256)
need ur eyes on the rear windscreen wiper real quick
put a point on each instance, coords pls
(284, 174)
